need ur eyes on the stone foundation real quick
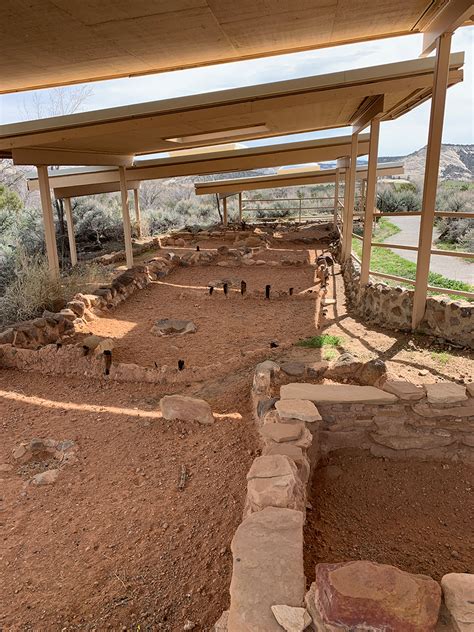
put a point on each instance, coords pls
(382, 304)
(395, 419)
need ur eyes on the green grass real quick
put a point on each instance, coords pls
(386, 261)
(316, 342)
(329, 354)
(445, 245)
(441, 356)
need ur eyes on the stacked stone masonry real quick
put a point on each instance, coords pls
(308, 420)
(381, 304)
(58, 327)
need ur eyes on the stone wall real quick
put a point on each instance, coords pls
(267, 591)
(382, 304)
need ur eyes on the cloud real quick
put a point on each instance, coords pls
(397, 137)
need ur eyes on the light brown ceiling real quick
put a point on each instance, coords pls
(55, 42)
(274, 109)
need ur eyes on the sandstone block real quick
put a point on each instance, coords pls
(267, 554)
(291, 619)
(295, 453)
(445, 393)
(372, 372)
(301, 409)
(173, 326)
(45, 478)
(282, 432)
(186, 409)
(362, 595)
(293, 368)
(273, 482)
(221, 624)
(346, 365)
(404, 390)
(415, 441)
(77, 307)
(336, 393)
(317, 369)
(7, 336)
(458, 591)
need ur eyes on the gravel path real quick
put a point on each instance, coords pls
(451, 267)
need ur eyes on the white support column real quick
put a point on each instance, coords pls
(127, 229)
(138, 217)
(336, 197)
(70, 231)
(430, 185)
(240, 208)
(48, 220)
(350, 183)
(224, 203)
(370, 200)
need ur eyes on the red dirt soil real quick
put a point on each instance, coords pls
(226, 326)
(114, 544)
(416, 515)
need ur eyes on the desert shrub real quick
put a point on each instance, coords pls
(390, 200)
(387, 201)
(467, 240)
(33, 290)
(97, 219)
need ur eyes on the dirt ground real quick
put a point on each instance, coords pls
(226, 326)
(416, 358)
(114, 544)
(415, 515)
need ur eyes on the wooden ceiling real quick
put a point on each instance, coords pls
(115, 136)
(56, 42)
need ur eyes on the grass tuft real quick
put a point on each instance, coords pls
(316, 342)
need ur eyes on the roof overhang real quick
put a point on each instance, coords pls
(48, 43)
(92, 189)
(291, 179)
(208, 163)
(115, 136)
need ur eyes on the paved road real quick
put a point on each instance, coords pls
(450, 267)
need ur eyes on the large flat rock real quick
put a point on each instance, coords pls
(267, 554)
(458, 590)
(300, 409)
(404, 390)
(364, 595)
(446, 393)
(186, 409)
(336, 393)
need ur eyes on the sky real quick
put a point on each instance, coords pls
(399, 137)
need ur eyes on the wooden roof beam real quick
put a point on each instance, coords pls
(454, 13)
(371, 108)
(33, 156)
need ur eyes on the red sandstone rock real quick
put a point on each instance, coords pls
(364, 595)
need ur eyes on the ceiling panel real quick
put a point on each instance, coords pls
(54, 42)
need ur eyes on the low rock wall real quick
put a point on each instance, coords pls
(382, 304)
(267, 591)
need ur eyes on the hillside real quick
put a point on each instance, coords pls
(456, 163)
